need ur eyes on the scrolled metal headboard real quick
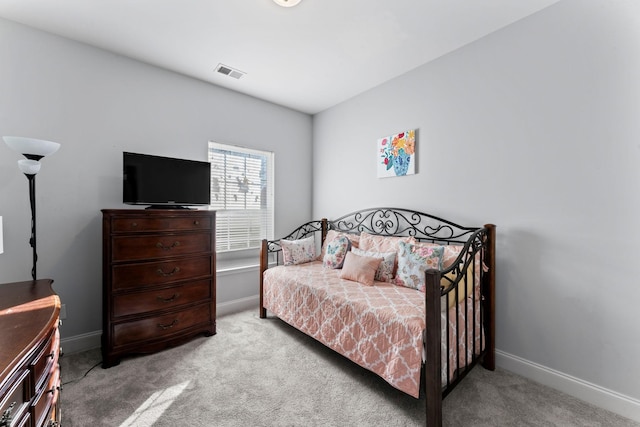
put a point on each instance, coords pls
(402, 222)
(301, 232)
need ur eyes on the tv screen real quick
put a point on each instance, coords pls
(165, 182)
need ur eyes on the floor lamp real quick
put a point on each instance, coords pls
(33, 150)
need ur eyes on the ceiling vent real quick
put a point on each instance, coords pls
(229, 71)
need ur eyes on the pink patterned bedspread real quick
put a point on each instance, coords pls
(379, 327)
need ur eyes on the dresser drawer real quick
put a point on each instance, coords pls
(131, 248)
(127, 276)
(160, 224)
(45, 401)
(18, 396)
(47, 357)
(26, 421)
(158, 299)
(158, 327)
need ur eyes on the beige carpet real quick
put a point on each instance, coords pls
(262, 372)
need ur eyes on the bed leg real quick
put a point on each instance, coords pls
(264, 264)
(433, 386)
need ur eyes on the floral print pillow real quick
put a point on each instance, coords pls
(413, 261)
(298, 251)
(336, 252)
(451, 253)
(332, 234)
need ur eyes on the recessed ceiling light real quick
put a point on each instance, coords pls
(287, 3)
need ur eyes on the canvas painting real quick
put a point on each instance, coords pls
(397, 154)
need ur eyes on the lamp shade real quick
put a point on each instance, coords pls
(1, 246)
(29, 167)
(34, 147)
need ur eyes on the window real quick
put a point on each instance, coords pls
(242, 195)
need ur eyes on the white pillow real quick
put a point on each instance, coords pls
(298, 251)
(336, 251)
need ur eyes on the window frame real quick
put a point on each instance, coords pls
(228, 225)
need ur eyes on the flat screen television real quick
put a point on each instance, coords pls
(165, 182)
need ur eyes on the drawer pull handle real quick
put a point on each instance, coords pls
(171, 325)
(196, 222)
(167, 248)
(5, 420)
(171, 273)
(171, 298)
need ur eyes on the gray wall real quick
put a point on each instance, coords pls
(98, 105)
(535, 128)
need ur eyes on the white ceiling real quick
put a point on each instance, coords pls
(309, 57)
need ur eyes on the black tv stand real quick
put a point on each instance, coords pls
(177, 207)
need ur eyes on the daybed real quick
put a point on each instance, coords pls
(355, 285)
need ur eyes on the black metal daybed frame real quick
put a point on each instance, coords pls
(478, 242)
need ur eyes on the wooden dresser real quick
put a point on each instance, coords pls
(159, 279)
(29, 354)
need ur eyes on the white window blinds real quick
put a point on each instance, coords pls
(242, 195)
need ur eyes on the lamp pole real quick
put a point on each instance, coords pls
(30, 169)
(32, 240)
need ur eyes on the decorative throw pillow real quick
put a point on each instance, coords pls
(332, 234)
(361, 269)
(451, 252)
(298, 251)
(462, 294)
(413, 261)
(336, 251)
(384, 273)
(375, 243)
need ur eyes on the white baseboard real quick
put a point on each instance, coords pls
(82, 342)
(238, 305)
(91, 340)
(583, 390)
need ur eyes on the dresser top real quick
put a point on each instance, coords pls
(157, 212)
(28, 311)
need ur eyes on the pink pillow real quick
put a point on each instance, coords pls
(385, 270)
(361, 269)
(375, 243)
